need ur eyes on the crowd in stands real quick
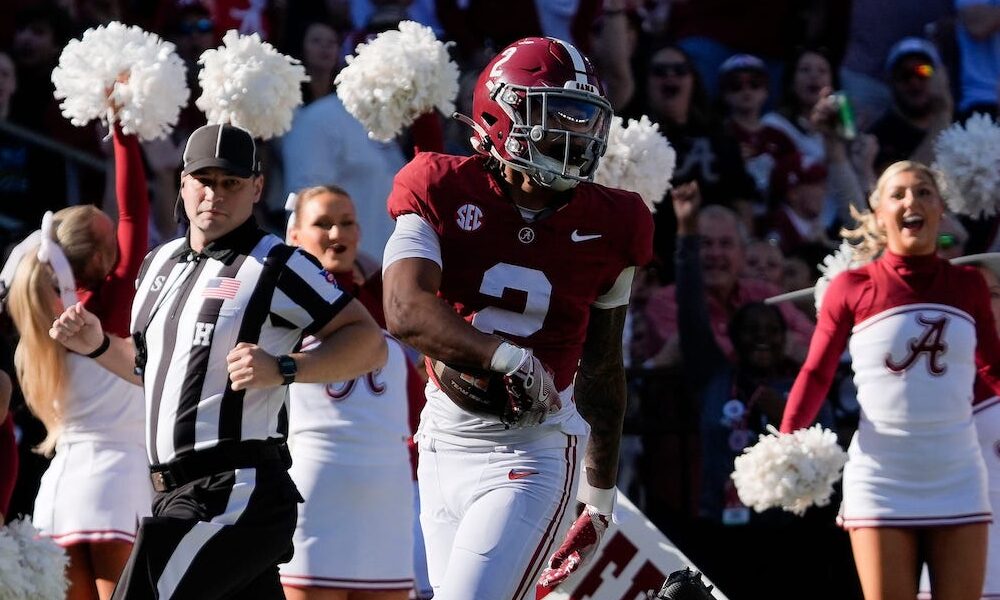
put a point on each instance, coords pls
(784, 113)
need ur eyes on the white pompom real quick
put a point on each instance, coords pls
(843, 259)
(791, 470)
(393, 79)
(15, 581)
(39, 569)
(123, 67)
(638, 159)
(968, 159)
(247, 83)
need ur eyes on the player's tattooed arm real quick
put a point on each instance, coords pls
(601, 394)
(417, 316)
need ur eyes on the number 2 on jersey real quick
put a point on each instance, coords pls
(504, 276)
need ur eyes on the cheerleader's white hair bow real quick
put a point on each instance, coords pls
(49, 251)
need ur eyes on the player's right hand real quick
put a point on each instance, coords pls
(531, 393)
(78, 329)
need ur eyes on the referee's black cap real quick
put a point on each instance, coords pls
(226, 147)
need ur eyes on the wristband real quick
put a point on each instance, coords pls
(601, 499)
(507, 358)
(102, 348)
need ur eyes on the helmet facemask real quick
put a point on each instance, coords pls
(557, 135)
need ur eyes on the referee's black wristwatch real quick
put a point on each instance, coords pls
(287, 368)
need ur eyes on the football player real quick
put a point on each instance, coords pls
(511, 271)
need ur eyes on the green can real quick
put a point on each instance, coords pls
(847, 127)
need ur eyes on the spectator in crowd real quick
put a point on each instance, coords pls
(764, 262)
(755, 28)
(722, 242)
(246, 16)
(31, 178)
(800, 192)
(478, 26)
(743, 84)
(424, 12)
(41, 33)
(676, 100)
(921, 104)
(738, 397)
(319, 51)
(325, 144)
(348, 442)
(807, 79)
(191, 29)
(978, 35)
(874, 27)
(615, 38)
(97, 486)
(796, 274)
(915, 484)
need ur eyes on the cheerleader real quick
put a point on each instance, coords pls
(97, 487)
(919, 331)
(354, 536)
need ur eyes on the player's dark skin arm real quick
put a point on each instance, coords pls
(600, 393)
(417, 316)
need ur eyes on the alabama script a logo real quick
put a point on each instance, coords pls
(931, 341)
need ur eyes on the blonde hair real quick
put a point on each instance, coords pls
(309, 193)
(868, 237)
(39, 360)
(74, 227)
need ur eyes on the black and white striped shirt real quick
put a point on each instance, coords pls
(191, 310)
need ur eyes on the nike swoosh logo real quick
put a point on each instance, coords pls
(516, 474)
(576, 237)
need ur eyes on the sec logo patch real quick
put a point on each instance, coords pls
(330, 278)
(469, 217)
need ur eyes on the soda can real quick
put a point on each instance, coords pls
(847, 128)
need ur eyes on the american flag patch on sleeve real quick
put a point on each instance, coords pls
(224, 288)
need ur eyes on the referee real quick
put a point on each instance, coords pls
(215, 317)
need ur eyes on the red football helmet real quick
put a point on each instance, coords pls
(539, 107)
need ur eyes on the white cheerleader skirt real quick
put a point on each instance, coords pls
(355, 528)
(920, 476)
(94, 491)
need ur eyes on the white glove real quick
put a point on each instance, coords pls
(531, 391)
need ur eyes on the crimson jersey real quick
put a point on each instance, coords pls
(923, 293)
(532, 283)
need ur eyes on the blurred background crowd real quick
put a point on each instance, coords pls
(783, 111)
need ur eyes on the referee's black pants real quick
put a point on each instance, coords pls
(220, 536)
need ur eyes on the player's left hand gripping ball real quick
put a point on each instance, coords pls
(579, 546)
